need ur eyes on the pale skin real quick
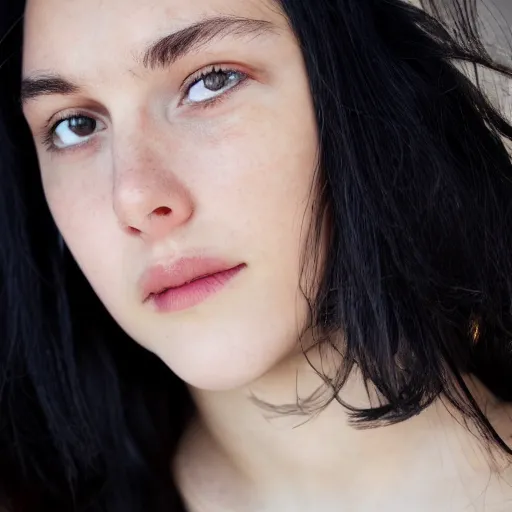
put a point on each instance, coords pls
(159, 176)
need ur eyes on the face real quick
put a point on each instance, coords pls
(177, 144)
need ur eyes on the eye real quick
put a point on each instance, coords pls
(212, 84)
(72, 131)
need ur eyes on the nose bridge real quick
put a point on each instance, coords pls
(148, 195)
(133, 140)
(135, 164)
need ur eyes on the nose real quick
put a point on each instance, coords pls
(149, 199)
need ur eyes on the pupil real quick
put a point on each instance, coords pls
(82, 126)
(215, 80)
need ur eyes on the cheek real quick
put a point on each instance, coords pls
(262, 169)
(80, 208)
(76, 209)
(74, 192)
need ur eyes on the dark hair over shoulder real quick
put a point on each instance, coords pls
(417, 182)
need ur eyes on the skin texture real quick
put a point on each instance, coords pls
(160, 180)
(236, 177)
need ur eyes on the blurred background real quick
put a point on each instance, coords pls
(497, 16)
(496, 27)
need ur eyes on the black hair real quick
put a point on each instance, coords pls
(416, 180)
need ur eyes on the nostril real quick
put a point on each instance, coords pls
(162, 211)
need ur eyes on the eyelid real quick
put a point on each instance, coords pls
(92, 110)
(54, 119)
(211, 68)
(48, 131)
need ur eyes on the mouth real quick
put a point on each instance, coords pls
(186, 284)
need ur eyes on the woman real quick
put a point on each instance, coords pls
(238, 236)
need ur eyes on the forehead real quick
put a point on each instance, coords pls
(67, 33)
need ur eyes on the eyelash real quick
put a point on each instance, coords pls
(201, 75)
(188, 84)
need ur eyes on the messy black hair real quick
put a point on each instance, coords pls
(416, 180)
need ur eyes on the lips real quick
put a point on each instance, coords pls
(162, 278)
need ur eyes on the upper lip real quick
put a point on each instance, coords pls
(161, 277)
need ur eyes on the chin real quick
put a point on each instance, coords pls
(227, 362)
(219, 374)
(226, 343)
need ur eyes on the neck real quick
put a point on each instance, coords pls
(287, 450)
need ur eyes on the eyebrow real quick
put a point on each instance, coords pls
(159, 54)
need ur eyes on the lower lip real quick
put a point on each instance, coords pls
(193, 293)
